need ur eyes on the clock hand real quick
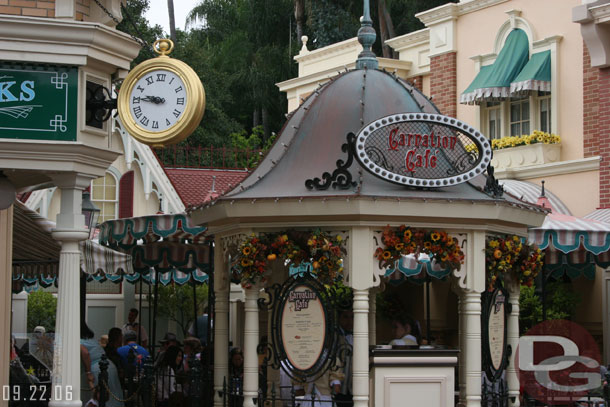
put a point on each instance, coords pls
(154, 99)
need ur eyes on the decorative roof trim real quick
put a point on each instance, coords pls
(413, 39)
(153, 173)
(342, 47)
(600, 13)
(551, 169)
(451, 10)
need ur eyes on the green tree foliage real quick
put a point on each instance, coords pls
(561, 302)
(42, 307)
(134, 23)
(175, 302)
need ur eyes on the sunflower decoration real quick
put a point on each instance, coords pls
(326, 254)
(401, 241)
(285, 248)
(251, 263)
(511, 255)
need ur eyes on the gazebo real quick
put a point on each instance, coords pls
(317, 177)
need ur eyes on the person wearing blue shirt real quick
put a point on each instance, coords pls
(140, 353)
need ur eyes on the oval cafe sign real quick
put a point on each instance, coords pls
(422, 150)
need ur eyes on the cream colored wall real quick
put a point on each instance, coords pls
(484, 26)
(579, 191)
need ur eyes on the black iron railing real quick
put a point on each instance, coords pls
(208, 157)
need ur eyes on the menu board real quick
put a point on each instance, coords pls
(495, 330)
(303, 327)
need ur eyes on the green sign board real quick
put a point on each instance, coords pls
(38, 102)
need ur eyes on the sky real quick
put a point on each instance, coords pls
(157, 13)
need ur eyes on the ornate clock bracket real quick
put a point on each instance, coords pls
(341, 178)
(99, 103)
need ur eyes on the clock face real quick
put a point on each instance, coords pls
(158, 100)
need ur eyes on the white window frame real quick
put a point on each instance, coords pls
(116, 176)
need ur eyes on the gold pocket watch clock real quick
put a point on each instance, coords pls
(161, 101)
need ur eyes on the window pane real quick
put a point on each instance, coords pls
(525, 110)
(110, 193)
(515, 129)
(543, 121)
(515, 114)
(525, 128)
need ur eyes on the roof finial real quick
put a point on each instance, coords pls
(366, 36)
(542, 189)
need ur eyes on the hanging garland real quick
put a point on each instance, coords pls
(510, 255)
(318, 252)
(404, 240)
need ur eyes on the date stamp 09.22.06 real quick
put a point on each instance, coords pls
(36, 392)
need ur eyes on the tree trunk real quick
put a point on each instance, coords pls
(386, 28)
(299, 13)
(172, 20)
(256, 118)
(266, 130)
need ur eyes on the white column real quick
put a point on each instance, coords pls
(6, 269)
(221, 324)
(70, 230)
(250, 345)
(461, 345)
(471, 349)
(372, 313)
(360, 381)
(513, 342)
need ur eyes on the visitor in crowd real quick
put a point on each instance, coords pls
(168, 341)
(115, 341)
(405, 331)
(201, 326)
(140, 353)
(91, 353)
(133, 325)
(103, 341)
(321, 390)
(236, 375)
(169, 388)
(346, 341)
(192, 349)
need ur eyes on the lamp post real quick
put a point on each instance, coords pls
(91, 213)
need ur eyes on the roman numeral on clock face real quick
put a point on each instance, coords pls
(180, 101)
(178, 89)
(137, 111)
(144, 121)
(149, 80)
(155, 124)
(161, 77)
(167, 122)
(176, 112)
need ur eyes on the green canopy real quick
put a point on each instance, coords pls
(494, 82)
(469, 95)
(535, 76)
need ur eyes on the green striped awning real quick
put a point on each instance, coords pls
(535, 76)
(494, 83)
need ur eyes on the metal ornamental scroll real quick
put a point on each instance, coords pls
(422, 150)
(304, 340)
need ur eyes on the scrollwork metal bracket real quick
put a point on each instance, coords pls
(341, 178)
(492, 186)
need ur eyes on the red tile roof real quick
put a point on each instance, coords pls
(194, 186)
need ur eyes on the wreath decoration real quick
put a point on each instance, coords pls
(511, 255)
(319, 252)
(404, 240)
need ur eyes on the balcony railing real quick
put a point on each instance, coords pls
(225, 158)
